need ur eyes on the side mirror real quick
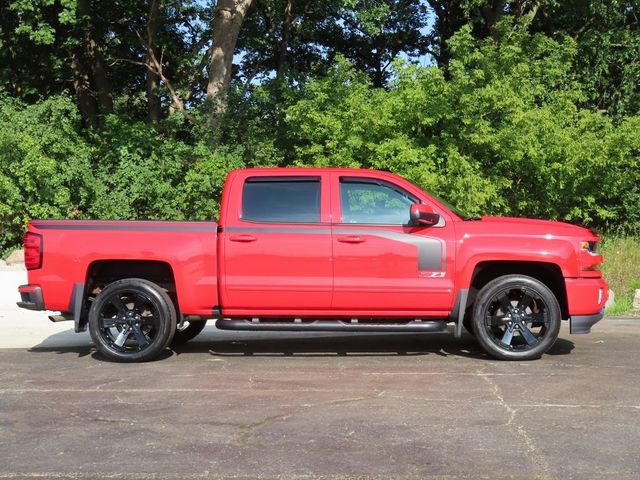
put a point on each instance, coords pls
(423, 215)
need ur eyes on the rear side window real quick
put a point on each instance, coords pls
(281, 199)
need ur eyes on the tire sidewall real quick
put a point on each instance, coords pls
(504, 283)
(161, 302)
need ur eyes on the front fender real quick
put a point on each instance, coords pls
(475, 249)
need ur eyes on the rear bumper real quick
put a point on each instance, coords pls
(583, 323)
(30, 297)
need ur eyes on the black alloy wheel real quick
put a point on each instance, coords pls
(516, 318)
(132, 320)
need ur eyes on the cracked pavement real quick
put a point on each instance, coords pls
(332, 406)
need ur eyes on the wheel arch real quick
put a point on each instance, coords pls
(549, 274)
(102, 272)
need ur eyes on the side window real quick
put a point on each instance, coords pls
(374, 202)
(281, 199)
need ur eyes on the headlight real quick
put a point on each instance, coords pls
(590, 246)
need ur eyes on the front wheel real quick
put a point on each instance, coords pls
(516, 317)
(132, 320)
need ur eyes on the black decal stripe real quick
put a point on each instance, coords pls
(148, 228)
(430, 250)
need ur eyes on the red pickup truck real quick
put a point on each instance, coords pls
(317, 250)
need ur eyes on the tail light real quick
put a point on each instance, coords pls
(32, 251)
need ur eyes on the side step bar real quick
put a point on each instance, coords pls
(331, 326)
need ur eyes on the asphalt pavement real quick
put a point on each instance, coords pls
(304, 406)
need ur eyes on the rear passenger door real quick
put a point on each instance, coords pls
(276, 246)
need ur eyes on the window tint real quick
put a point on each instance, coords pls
(281, 199)
(377, 202)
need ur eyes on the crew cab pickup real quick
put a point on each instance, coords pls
(302, 249)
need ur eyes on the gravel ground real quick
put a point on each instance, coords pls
(273, 406)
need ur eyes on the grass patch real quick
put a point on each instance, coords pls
(621, 270)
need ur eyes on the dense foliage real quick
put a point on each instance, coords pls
(516, 108)
(53, 168)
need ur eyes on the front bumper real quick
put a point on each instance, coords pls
(31, 297)
(583, 323)
(586, 296)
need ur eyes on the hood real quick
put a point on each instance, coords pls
(550, 227)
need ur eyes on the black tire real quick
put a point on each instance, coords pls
(516, 317)
(188, 331)
(132, 320)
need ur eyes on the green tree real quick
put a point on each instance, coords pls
(607, 34)
(293, 39)
(45, 165)
(505, 135)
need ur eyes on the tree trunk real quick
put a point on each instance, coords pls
(82, 86)
(449, 19)
(529, 17)
(95, 58)
(100, 80)
(228, 16)
(492, 14)
(378, 76)
(284, 40)
(154, 107)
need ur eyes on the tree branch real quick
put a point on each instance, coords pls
(584, 28)
(156, 67)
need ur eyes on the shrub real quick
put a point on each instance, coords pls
(45, 165)
(51, 167)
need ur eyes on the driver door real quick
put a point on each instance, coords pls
(383, 263)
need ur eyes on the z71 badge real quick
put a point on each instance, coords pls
(431, 274)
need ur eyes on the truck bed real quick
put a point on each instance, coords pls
(75, 248)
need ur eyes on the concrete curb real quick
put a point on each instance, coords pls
(10, 279)
(25, 329)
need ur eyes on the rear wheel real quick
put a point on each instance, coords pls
(516, 317)
(132, 320)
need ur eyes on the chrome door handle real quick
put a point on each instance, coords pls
(351, 239)
(243, 237)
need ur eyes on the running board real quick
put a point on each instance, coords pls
(331, 326)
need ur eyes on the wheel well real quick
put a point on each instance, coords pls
(548, 273)
(103, 272)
